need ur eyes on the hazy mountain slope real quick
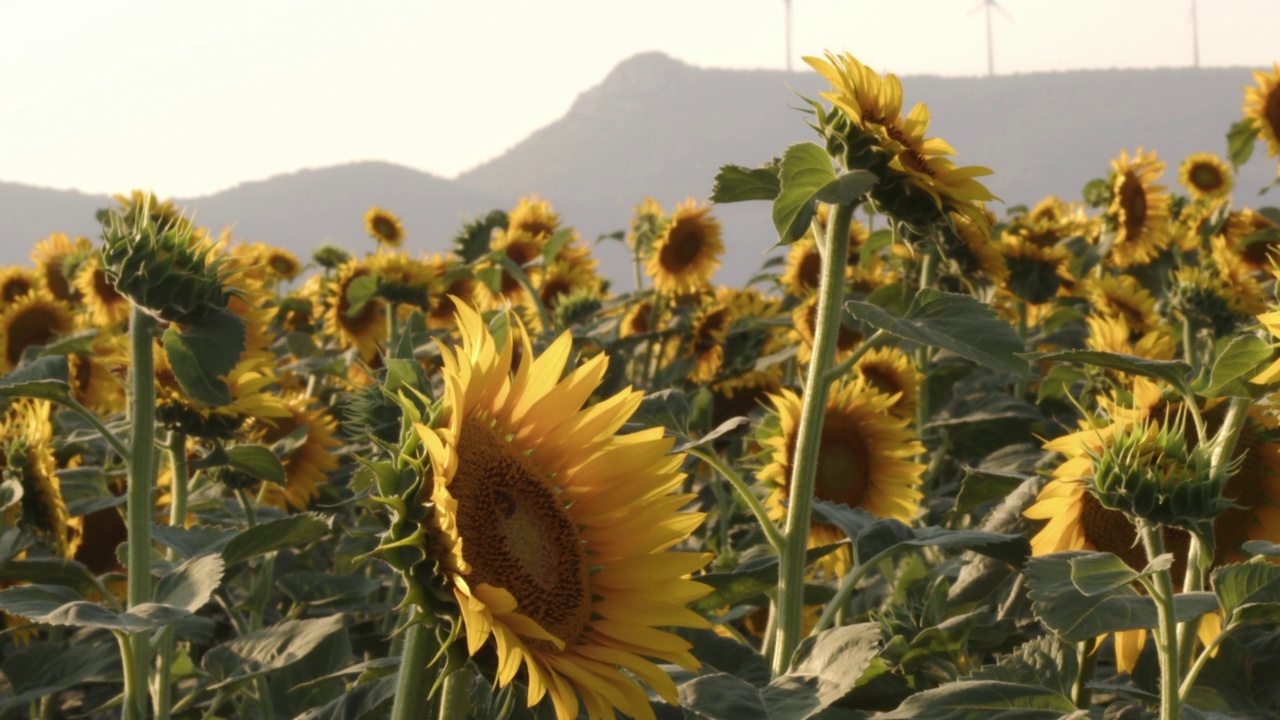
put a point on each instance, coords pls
(656, 126)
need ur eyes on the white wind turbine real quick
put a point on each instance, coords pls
(990, 5)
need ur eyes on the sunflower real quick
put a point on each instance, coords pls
(533, 216)
(552, 531)
(1270, 321)
(688, 252)
(107, 308)
(864, 459)
(1209, 299)
(1110, 333)
(706, 341)
(804, 319)
(1139, 208)
(1262, 107)
(1253, 237)
(647, 223)
(563, 278)
(973, 251)
(1242, 281)
(363, 327)
(1205, 176)
(449, 279)
(890, 370)
(310, 458)
(637, 319)
(17, 281)
(26, 453)
(1036, 273)
(251, 398)
(53, 256)
(803, 263)
(282, 264)
(95, 376)
(742, 394)
(1076, 520)
(32, 321)
(1122, 296)
(384, 227)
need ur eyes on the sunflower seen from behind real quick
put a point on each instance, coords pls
(553, 531)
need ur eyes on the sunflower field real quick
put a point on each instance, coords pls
(934, 463)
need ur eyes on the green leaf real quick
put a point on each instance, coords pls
(980, 487)
(10, 493)
(46, 668)
(256, 461)
(983, 700)
(1098, 573)
(723, 428)
(202, 355)
(806, 169)
(1074, 616)
(874, 536)
(836, 660)
(846, 188)
(314, 588)
(360, 291)
(57, 605)
(877, 241)
(1241, 359)
(721, 696)
(735, 183)
(275, 535)
(44, 378)
(958, 323)
(191, 584)
(752, 578)
(1248, 585)
(192, 541)
(557, 240)
(1173, 372)
(1240, 139)
(1045, 661)
(275, 647)
(50, 571)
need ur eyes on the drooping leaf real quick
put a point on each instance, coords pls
(44, 378)
(846, 188)
(270, 649)
(983, 700)
(191, 584)
(274, 535)
(1173, 372)
(735, 183)
(1097, 573)
(1074, 616)
(1241, 359)
(805, 169)
(192, 541)
(980, 487)
(958, 323)
(57, 605)
(46, 668)
(1240, 140)
(874, 536)
(202, 355)
(256, 461)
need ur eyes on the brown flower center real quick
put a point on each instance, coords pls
(1271, 110)
(35, 326)
(1110, 531)
(683, 246)
(1205, 177)
(516, 534)
(844, 462)
(1133, 205)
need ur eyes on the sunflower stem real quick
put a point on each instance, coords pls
(1161, 587)
(88, 416)
(840, 370)
(139, 508)
(804, 472)
(1086, 662)
(523, 278)
(771, 532)
(455, 697)
(163, 691)
(411, 683)
(1207, 654)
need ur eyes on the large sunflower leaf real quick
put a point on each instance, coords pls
(984, 700)
(958, 323)
(275, 535)
(45, 378)
(275, 647)
(735, 183)
(874, 536)
(191, 584)
(1053, 585)
(202, 355)
(1174, 372)
(58, 605)
(257, 462)
(807, 176)
(46, 668)
(722, 696)
(837, 660)
(1240, 359)
(1045, 661)
(1251, 589)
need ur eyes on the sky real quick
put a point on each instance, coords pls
(190, 98)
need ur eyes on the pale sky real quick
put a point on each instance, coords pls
(190, 98)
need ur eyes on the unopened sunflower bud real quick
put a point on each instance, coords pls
(1148, 472)
(166, 269)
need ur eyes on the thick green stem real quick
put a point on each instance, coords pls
(139, 508)
(455, 698)
(1207, 654)
(838, 371)
(162, 692)
(804, 471)
(1087, 662)
(1161, 586)
(411, 683)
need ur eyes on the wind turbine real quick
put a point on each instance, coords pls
(1195, 35)
(990, 5)
(787, 7)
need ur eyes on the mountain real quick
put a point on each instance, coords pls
(658, 127)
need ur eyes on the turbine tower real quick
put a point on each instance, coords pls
(1195, 36)
(990, 5)
(787, 7)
